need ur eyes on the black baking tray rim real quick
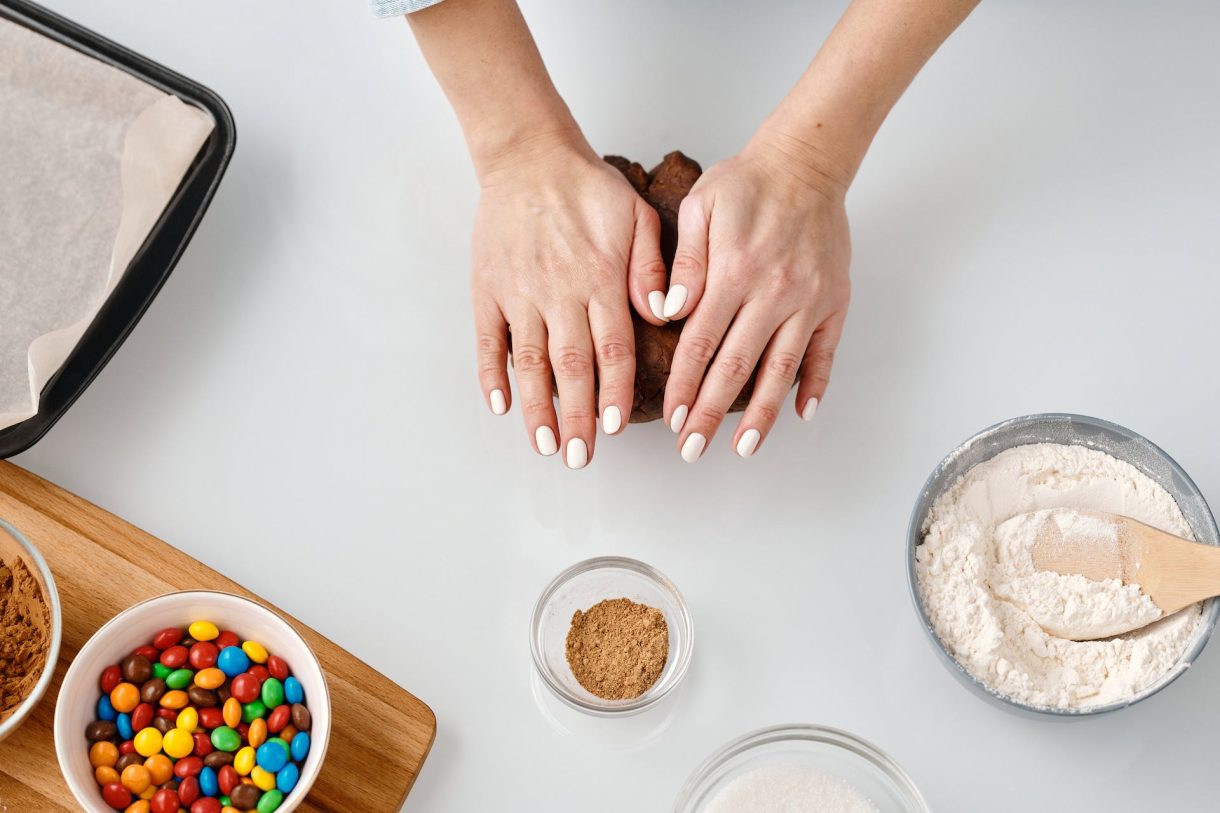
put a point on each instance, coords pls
(155, 260)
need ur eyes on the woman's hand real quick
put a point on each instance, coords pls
(555, 233)
(762, 273)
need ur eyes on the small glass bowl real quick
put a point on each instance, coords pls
(835, 752)
(14, 545)
(580, 587)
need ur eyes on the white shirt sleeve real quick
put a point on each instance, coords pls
(394, 8)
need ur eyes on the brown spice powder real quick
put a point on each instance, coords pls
(617, 648)
(25, 623)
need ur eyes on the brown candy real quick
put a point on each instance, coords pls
(245, 797)
(203, 698)
(170, 785)
(152, 690)
(301, 717)
(100, 730)
(163, 725)
(128, 759)
(136, 669)
(218, 759)
(223, 693)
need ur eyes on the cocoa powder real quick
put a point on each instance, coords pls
(617, 648)
(25, 622)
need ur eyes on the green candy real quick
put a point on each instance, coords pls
(179, 678)
(269, 801)
(273, 693)
(225, 801)
(252, 711)
(226, 739)
(162, 671)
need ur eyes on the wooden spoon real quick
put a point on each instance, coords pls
(1172, 571)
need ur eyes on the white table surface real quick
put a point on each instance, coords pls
(1035, 230)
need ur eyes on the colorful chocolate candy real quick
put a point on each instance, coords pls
(198, 721)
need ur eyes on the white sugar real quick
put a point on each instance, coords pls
(789, 789)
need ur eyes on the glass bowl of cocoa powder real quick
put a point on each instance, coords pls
(30, 628)
(611, 636)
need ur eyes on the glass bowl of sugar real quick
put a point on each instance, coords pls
(799, 767)
(634, 593)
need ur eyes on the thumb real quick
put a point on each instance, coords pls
(646, 270)
(689, 276)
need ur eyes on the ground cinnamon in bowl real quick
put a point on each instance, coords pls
(617, 649)
(25, 625)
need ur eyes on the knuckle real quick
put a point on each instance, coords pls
(489, 344)
(655, 267)
(765, 414)
(709, 415)
(700, 347)
(735, 367)
(686, 262)
(577, 415)
(822, 358)
(613, 350)
(537, 406)
(783, 365)
(573, 363)
(529, 359)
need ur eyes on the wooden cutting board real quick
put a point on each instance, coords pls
(102, 565)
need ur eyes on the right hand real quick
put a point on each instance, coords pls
(555, 233)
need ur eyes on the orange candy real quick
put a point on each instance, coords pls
(160, 768)
(287, 733)
(210, 678)
(176, 699)
(124, 697)
(231, 711)
(258, 732)
(136, 778)
(103, 754)
(105, 775)
(142, 806)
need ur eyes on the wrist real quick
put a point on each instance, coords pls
(812, 161)
(503, 151)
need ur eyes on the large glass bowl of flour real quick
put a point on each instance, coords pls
(1098, 436)
(799, 767)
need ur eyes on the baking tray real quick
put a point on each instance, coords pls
(155, 260)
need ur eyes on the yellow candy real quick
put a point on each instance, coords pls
(178, 743)
(231, 712)
(105, 775)
(254, 651)
(147, 794)
(188, 719)
(210, 678)
(243, 762)
(263, 780)
(203, 631)
(175, 700)
(258, 733)
(148, 741)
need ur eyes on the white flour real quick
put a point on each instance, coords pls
(970, 567)
(789, 789)
(1073, 607)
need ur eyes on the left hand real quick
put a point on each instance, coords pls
(762, 271)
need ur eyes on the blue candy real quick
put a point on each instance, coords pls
(123, 723)
(208, 783)
(293, 692)
(287, 778)
(270, 757)
(105, 709)
(300, 746)
(232, 661)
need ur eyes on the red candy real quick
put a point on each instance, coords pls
(244, 730)
(203, 655)
(279, 717)
(127, 747)
(188, 791)
(206, 804)
(149, 652)
(111, 676)
(278, 667)
(211, 717)
(245, 687)
(175, 658)
(228, 779)
(141, 717)
(168, 714)
(260, 673)
(203, 744)
(187, 766)
(226, 639)
(165, 801)
(116, 795)
(167, 638)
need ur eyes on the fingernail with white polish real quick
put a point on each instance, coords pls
(498, 405)
(577, 454)
(545, 438)
(612, 420)
(656, 301)
(679, 418)
(748, 442)
(693, 447)
(674, 300)
(811, 406)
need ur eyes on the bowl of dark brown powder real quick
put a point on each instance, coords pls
(611, 636)
(30, 627)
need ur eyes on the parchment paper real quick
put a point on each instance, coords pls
(89, 158)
